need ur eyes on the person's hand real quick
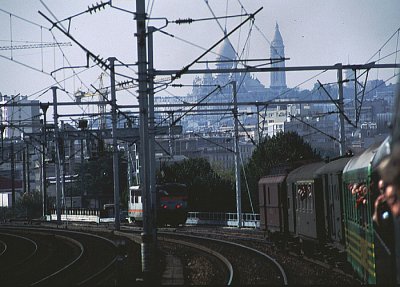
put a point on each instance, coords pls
(389, 194)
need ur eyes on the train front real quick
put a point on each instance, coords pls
(172, 202)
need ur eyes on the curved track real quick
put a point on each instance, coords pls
(17, 250)
(61, 257)
(243, 268)
(223, 259)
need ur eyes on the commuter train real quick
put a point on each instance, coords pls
(333, 203)
(171, 201)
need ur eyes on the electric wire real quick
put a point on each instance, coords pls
(21, 18)
(380, 49)
(260, 31)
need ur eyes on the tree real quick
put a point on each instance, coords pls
(207, 190)
(283, 150)
(31, 204)
(97, 179)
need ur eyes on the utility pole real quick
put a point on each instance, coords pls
(62, 164)
(44, 108)
(12, 175)
(170, 135)
(237, 157)
(258, 125)
(24, 176)
(147, 236)
(57, 157)
(2, 128)
(82, 124)
(153, 189)
(28, 172)
(342, 134)
(115, 147)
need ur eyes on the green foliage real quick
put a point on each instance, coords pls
(283, 149)
(30, 204)
(207, 190)
(96, 180)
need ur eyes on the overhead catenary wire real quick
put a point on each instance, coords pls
(99, 61)
(184, 69)
(259, 30)
(21, 18)
(384, 44)
(317, 129)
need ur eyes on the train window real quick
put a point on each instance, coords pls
(305, 197)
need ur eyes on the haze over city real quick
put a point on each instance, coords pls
(314, 33)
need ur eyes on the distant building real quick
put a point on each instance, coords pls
(12, 172)
(278, 79)
(318, 124)
(24, 118)
(217, 148)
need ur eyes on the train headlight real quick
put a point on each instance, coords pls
(178, 206)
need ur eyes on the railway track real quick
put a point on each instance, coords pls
(60, 257)
(194, 257)
(238, 264)
(312, 269)
(16, 250)
(248, 266)
(254, 259)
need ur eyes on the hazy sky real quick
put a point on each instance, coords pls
(314, 33)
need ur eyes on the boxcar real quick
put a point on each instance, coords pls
(305, 203)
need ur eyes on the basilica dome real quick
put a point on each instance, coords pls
(225, 53)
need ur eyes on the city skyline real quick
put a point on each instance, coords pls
(352, 33)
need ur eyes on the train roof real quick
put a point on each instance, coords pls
(363, 160)
(382, 152)
(272, 179)
(304, 171)
(334, 166)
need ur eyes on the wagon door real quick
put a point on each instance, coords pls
(291, 203)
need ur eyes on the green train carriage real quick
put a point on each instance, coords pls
(366, 251)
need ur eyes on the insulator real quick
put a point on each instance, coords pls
(184, 21)
(96, 7)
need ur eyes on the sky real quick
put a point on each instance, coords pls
(314, 33)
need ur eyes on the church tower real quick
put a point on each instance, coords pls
(278, 79)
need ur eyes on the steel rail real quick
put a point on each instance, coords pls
(5, 247)
(91, 277)
(276, 263)
(207, 250)
(66, 266)
(26, 239)
(101, 271)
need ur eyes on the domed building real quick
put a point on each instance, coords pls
(249, 89)
(226, 55)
